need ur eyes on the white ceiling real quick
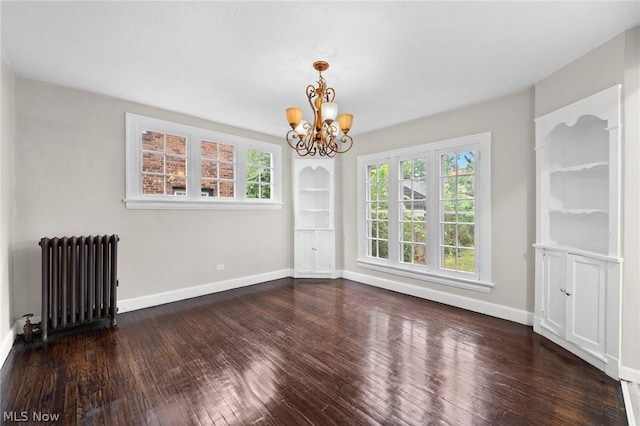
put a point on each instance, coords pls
(243, 63)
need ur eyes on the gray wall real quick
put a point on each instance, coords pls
(631, 289)
(70, 180)
(599, 69)
(6, 206)
(614, 62)
(509, 118)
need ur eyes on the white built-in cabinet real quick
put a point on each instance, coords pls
(578, 238)
(314, 233)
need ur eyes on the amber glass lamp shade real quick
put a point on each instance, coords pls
(345, 121)
(294, 115)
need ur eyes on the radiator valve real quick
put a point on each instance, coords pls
(28, 328)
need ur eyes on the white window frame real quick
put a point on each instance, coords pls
(481, 280)
(135, 199)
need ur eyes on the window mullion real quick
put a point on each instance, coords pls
(433, 213)
(240, 172)
(193, 166)
(394, 207)
(164, 163)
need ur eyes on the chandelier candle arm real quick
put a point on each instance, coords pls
(321, 137)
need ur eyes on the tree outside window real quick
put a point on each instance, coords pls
(259, 174)
(457, 211)
(413, 206)
(378, 211)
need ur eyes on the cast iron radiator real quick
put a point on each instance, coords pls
(79, 281)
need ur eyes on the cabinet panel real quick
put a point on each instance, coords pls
(554, 309)
(586, 287)
(323, 251)
(304, 251)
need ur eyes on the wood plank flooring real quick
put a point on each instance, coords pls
(298, 352)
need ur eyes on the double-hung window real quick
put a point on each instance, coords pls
(174, 166)
(425, 212)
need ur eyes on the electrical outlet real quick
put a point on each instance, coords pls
(220, 267)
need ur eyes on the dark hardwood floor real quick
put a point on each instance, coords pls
(296, 352)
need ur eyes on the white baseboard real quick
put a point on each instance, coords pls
(631, 401)
(7, 341)
(329, 275)
(604, 362)
(475, 305)
(135, 303)
(6, 344)
(629, 374)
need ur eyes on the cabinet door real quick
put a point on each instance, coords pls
(324, 251)
(586, 285)
(554, 309)
(304, 251)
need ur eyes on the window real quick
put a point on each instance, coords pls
(217, 163)
(163, 163)
(170, 165)
(425, 212)
(378, 211)
(412, 202)
(259, 173)
(456, 211)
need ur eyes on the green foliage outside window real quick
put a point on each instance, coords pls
(378, 211)
(457, 178)
(457, 210)
(413, 210)
(259, 169)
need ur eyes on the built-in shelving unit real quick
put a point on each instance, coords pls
(314, 218)
(578, 251)
(576, 183)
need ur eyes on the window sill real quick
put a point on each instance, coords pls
(178, 204)
(468, 284)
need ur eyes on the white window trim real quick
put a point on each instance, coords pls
(135, 199)
(482, 279)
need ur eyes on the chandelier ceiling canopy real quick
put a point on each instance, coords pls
(322, 135)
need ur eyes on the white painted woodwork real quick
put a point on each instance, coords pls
(304, 254)
(585, 297)
(314, 252)
(555, 311)
(578, 236)
(314, 233)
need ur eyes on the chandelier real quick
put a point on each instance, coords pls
(322, 136)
